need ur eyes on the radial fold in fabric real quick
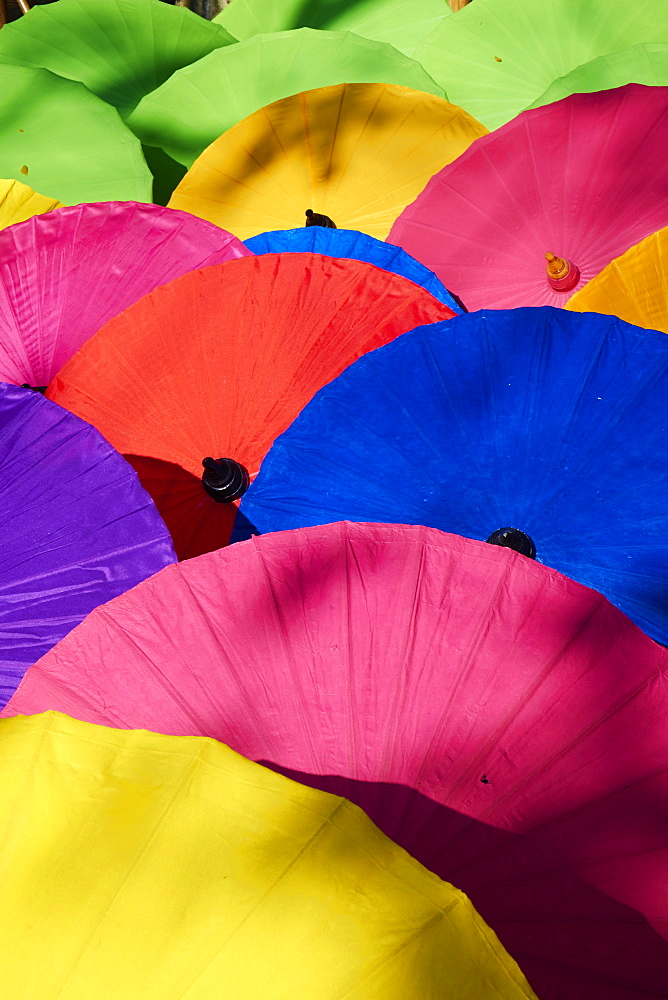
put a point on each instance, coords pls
(162, 868)
(495, 57)
(472, 701)
(76, 528)
(18, 202)
(633, 287)
(66, 142)
(543, 420)
(220, 361)
(200, 102)
(583, 179)
(120, 49)
(358, 153)
(62, 276)
(392, 21)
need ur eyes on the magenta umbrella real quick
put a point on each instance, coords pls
(501, 722)
(63, 275)
(581, 181)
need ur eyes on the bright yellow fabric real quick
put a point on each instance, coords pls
(633, 286)
(148, 867)
(18, 202)
(358, 153)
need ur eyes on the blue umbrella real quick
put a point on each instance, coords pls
(356, 246)
(550, 423)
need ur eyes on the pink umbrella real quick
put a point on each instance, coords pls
(501, 722)
(580, 181)
(63, 275)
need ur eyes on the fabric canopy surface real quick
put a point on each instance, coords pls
(355, 246)
(495, 57)
(18, 202)
(159, 868)
(358, 153)
(220, 361)
(583, 179)
(120, 49)
(472, 701)
(535, 419)
(63, 275)
(633, 287)
(65, 141)
(200, 102)
(76, 528)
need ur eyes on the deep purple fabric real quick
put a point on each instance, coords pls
(76, 528)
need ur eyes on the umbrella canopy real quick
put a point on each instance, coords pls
(535, 419)
(358, 153)
(65, 141)
(120, 49)
(392, 21)
(472, 701)
(219, 362)
(199, 102)
(497, 56)
(355, 246)
(633, 287)
(63, 275)
(579, 181)
(159, 868)
(18, 202)
(76, 528)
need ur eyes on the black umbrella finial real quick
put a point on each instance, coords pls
(513, 538)
(314, 219)
(34, 388)
(224, 479)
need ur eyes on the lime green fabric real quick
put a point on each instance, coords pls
(496, 57)
(120, 49)
(202, 101)
(65, 142)
(402, 23)
(646, 64)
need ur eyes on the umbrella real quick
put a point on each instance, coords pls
(199, 102)
(633, 287)
(65, 141)
(479, 706)
(355, 246)
(539, 420)
(358, 153)
(149, 867)
(579, 182)
(497, 56)
(18, 202)
(77, 528)
(120, 49)
(217, 363)
(392, 21)
(63, 275)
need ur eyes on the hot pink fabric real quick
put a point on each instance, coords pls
(504, 724)
(584, 178)
(64, 274)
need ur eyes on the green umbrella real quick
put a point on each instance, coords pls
(65, 142)
(402, 23)
(120, 49)
(495, 57)
(646, 64)
(202, 101)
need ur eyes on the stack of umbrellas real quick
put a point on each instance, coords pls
(333, 440)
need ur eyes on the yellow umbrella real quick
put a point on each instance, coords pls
(357, 153)
(18, 202)
(633, 286)
(155, 867)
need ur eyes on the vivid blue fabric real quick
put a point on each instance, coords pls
(356, 246)
(549, 421)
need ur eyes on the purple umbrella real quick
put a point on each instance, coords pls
(76, 528)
